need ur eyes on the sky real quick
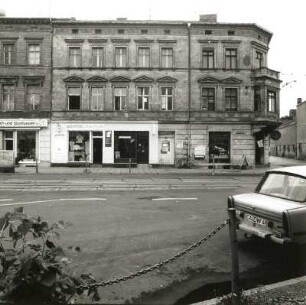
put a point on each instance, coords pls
(285, 19)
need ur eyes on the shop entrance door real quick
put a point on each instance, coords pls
(97, 150)
(143, 147)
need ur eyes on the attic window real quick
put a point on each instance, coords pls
(231, 33)
(167, 32)
(144, 31)
(208, 32)
(98, 31)
(75, 31)
(120, 31)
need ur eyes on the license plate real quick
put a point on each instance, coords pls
(257, 220)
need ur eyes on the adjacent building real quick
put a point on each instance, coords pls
(25, 88)
(151, 92)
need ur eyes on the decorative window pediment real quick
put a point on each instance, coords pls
(208, 80)
(120, 79)
(9, 79)
(74, 79)
(143, 79)
(231, 80)
(166, 79)
(33, 80)
(96, 79)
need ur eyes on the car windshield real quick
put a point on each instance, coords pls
(284, 186)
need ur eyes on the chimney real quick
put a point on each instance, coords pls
(2, 14)
(299, 101)
(208, 18)
(121, 19)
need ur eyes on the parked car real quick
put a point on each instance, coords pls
(277, 208)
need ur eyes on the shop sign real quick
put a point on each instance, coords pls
(6, 158)
(21, 123)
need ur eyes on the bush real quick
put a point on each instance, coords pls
(33, 266)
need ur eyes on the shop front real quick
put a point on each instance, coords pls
(28, 139)
(104, 143)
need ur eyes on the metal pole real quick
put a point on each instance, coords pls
(130, 161)
(36, 165)
(234, 254)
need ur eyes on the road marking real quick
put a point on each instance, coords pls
(50, 200)
(160, 199)
(6, 199)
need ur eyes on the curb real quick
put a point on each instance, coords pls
(262, 289)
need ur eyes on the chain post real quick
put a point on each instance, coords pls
(234, 254)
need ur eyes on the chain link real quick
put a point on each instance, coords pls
(158, 265)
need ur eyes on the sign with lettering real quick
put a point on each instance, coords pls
(6, 158)
(23, 123)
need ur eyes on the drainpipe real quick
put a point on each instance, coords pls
(51, 86)
(189, 86)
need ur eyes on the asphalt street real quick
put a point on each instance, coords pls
(125, 224)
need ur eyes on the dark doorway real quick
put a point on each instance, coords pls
(97, 150)
(219, 147)
(259, 150)
(143, 147)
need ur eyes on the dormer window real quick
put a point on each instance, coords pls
(75, 31)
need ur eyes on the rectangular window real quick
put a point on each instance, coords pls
(208, 59)
(167, 57)
(8, 97)
(74, 56)
(231, 99)
(231, 59)
(33, 97)
(143, 98)
(257, 99)
(143, 57)
(167, 98)
(8, 140)
(259, 60)
(120, 57)
(120, 98)
(208, 99)
(74, 98)
(272, 101)
(96, 98)
(8, 54)
(34, 54)
(97, 57)
(78, 146)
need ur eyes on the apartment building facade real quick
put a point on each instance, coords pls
(25, 88)
(154, 91)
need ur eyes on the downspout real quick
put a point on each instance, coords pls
(189, 87)
(51, 87)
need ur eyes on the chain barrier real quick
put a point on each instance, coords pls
(158, 265)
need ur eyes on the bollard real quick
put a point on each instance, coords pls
(130, 161)
(234, 255)
(36, 165)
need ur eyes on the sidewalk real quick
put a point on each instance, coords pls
(144, 169)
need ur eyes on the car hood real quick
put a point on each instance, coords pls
(264, 204)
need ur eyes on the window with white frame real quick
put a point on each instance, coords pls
(74, 98)
(8, 53)
(208, 58)
(8, 97)
(167, 57)
(258, 60)
(34, 51)
(230, 58)
(97, 57)
(74, 56)
(97, 98)
(120, 95)
(143, 57)
(271, 101)
(208, 99)
(143, 98)
(33, 97)
(166, 98)
(231, 99)
(120, 57)
(8, 140)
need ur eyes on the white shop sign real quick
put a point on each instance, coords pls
(21, 123)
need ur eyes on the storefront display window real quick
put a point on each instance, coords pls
(26, 145)
(78, 146)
